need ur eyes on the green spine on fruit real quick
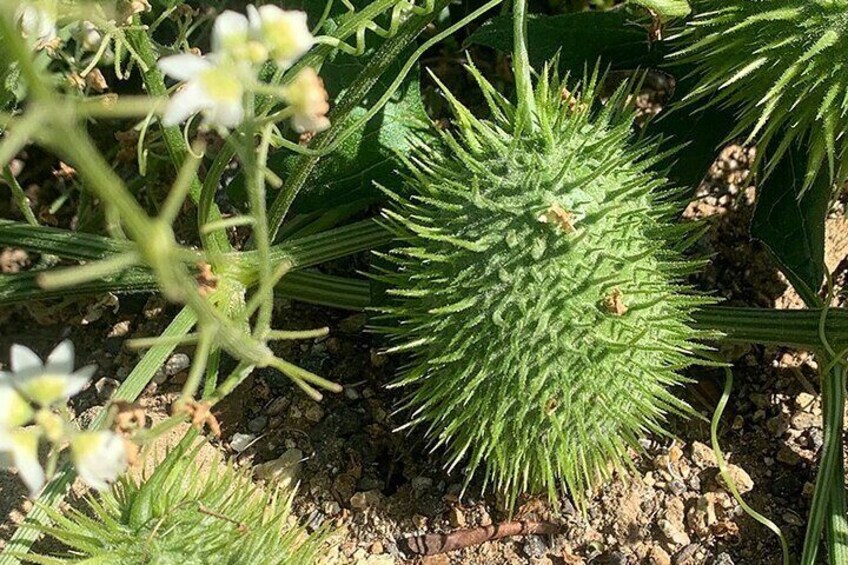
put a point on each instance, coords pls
(536, 285)
(184, 514)
(782, 65)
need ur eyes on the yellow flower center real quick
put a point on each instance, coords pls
(45, 389)
(221, 84)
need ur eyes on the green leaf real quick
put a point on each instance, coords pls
(701, 135)
(665, 9)
(792, 227)
(368, 156)
(581, 39)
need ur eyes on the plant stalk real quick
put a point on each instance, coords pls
(521, 67)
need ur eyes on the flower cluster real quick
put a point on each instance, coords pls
(31, 399)
(216, 84)
(37, 22)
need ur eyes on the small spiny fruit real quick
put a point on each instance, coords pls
(783, 66)
(536, 284)
(184, 513)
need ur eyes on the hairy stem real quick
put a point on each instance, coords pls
(521, 65)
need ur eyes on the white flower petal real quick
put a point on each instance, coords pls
(184, 66)
(61, 359)
(78, 380)
(20, 448)
(54, 382)
(24, 359)
(99, 457)
(254, 20)
(227, 115)
(185, 103)
(230, 31)
(285, 34)
(14, 409)
(313, 124)
(37, 20)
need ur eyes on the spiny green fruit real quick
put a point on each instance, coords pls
(536, 283)
(183, 514)
(783, 65)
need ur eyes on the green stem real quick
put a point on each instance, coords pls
(254, 162)
(521, 66)
(791, 328)
(20, 196)
(300, 253)
(725, 474)
(833, 408)
(313, 287)
(837, 523)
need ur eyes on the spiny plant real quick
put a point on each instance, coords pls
(782, 65)
(183, 514)
(537, 284)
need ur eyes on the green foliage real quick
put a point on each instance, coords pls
(782, 65)
(537, 286)
(367, 156)
(791, 222)
(183, 514)
(665, 9)
(582, 38)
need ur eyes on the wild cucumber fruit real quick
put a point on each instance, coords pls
(783, 65)
(182, 514)
(536, 283)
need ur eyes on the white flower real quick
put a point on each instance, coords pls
(214, 89)
(37, 21)
(50, 383)
(14, 409)
(19, 449)
(99, 457)
(308, 100)
(88, 36)
(235, 37)
(283, 32)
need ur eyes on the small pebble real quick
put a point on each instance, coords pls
(535, 546)
(676, 487)
(792, 519)
(278, 406)
(240, 442)
(456, 518)
(105, 387)
(787, 456)
(741, 479)
(313, 412)
(366, 499)
(257, 424)
(723, 559)
(421, 484)
(283, 470)
(658, 556)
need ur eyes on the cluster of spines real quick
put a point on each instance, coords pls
(783, 66)
(182, 513)
(512, 241)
